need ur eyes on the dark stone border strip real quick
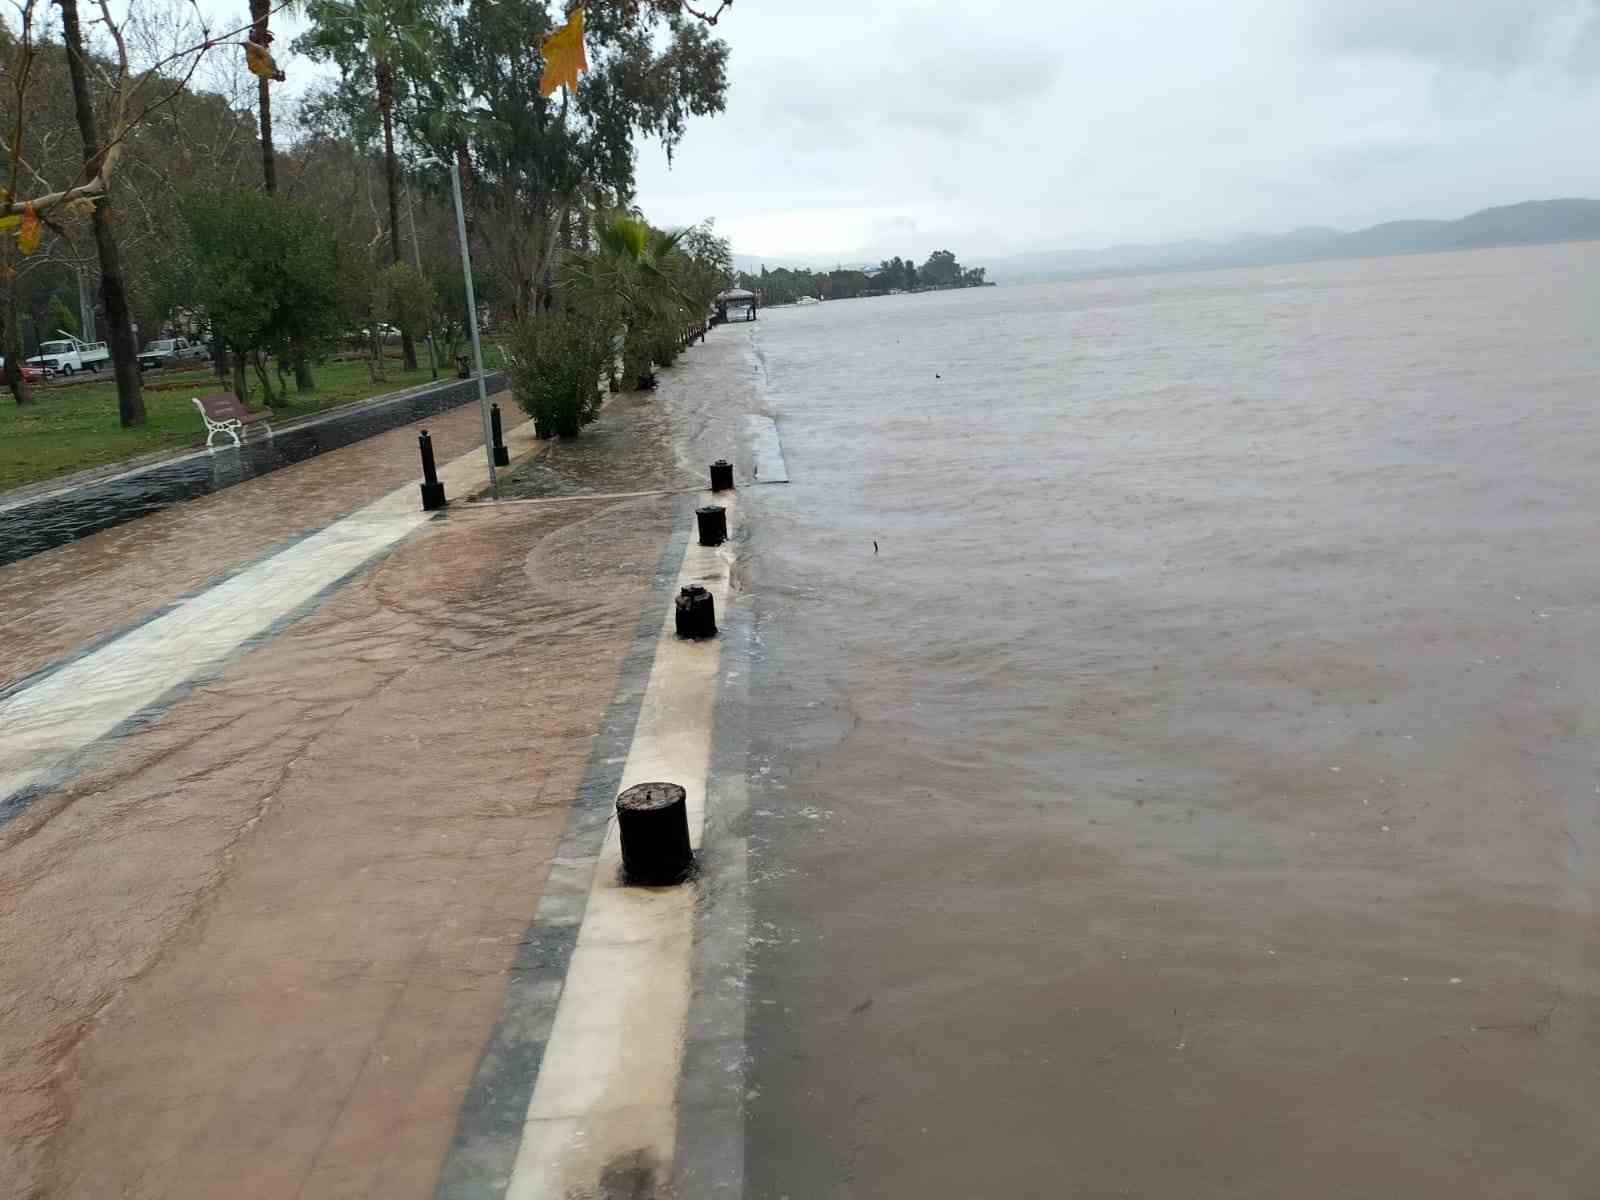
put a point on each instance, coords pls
(489, 1125)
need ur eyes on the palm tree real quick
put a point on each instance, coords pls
(261, 35)
(627, 281)
(383, 37)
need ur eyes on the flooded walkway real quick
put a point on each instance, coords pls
(33, 519)
(287, 766)
(61, 599)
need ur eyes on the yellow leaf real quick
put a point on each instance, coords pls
(10, 222)
(83, 206)
(32, 231)
(564, 59)
(259, 60)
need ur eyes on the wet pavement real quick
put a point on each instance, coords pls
(262, 934)
(281, 919)
(38, 519)
(60, 600)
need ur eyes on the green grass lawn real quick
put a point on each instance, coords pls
(70, 427)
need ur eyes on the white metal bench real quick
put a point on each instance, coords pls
(223, 413)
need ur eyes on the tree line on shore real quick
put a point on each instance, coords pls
(147, 173)
(785, 285)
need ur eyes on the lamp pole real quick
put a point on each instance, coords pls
(472, 319)
(416, 253)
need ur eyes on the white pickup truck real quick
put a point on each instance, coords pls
(69, 356)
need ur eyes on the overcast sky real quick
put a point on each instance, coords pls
(860, 130)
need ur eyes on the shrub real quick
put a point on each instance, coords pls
(555, 360)
(666, 341)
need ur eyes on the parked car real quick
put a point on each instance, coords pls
(69, 356)
(165, 351)
(29, 372)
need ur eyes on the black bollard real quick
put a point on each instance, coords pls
(721, 475)
(713, 520)
(432, 489)
(502, 456)
(653, 821)
(696, 613)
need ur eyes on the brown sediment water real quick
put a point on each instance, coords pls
(1193, 793)
(259, 948)
(58, 600)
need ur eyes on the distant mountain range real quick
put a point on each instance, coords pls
(1530, 223)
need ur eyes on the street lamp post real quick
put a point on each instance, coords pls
(472, 319)
(416, 252)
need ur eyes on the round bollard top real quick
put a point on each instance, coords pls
(706, 510)
(722, 462)
(692, 589)
(648, 797)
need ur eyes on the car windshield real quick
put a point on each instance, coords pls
(56, 348)
(164, 344)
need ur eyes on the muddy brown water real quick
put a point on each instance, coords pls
(60, 599)
(1194, 794)
(258, 946)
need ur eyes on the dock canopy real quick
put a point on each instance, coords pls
(736, 298)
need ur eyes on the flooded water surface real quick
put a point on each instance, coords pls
(1175, 737)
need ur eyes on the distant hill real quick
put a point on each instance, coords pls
(1531, 223)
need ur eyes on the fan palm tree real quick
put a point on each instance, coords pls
(627, 281)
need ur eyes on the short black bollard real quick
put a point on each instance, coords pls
(653, 820)
(432, 489)
(696, 614)
(502, 456)
(721, 475)
(463, 367)
(713, 520)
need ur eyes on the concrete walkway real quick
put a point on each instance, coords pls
(284, 770)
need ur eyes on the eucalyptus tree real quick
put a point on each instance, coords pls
(530, 162)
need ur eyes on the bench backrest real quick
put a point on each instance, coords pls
(225, 406)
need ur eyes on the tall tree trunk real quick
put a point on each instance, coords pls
(391, 173)
(260, 15)
(113, 294)
(21, 389)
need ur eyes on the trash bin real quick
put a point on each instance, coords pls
(463, 367)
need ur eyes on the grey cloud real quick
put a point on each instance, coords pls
(1089, 122)
(1498, 36)
(1355, 164)
(837, 101)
